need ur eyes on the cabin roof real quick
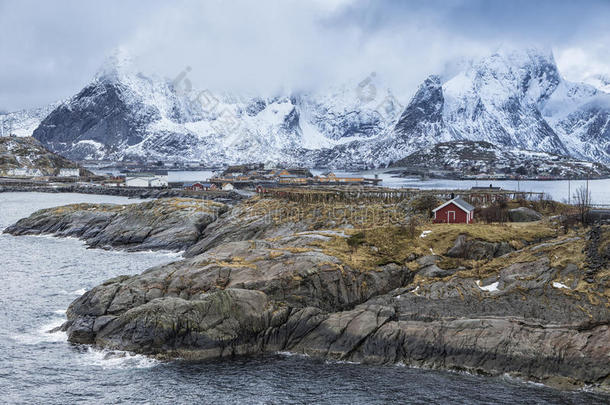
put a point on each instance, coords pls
(457, 201)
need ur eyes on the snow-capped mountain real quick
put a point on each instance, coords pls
(121, 115)
(513, 98)
(600, 81)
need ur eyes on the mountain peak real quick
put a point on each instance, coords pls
(116, 66)
(523, 56)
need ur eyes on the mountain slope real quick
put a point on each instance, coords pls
(468, 158)
(24, 122)
(123, 115)
(25, 155)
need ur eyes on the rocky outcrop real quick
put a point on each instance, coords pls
(523, 214)
(172, 224)
(475, 249)
(240, 298)
(286, 286)
(597, 251)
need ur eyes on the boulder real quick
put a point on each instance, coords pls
(434, 271)
(476, 249)
(523, 214)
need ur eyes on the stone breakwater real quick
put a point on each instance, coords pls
(491, 299)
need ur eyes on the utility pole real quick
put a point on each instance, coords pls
(587, 195)
(569, 193)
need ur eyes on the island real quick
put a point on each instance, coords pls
(341, 279)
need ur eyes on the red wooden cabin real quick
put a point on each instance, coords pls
(456, 211)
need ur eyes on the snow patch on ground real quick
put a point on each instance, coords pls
(559, 285)
(489, 288)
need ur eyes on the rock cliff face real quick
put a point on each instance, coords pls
(493, 299)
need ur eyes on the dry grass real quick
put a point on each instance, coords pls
(322, 215)
(391, 244)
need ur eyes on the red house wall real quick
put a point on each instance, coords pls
(460, 215)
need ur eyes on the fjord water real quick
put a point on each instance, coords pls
(42, 275)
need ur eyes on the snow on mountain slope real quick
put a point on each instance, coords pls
(121, 115)
(24, 122)
(580, 115)
(513, 98)
(600, 81)
(470, 158)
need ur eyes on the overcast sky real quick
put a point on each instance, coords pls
(51, 49)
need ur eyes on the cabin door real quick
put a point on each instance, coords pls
(450, 216)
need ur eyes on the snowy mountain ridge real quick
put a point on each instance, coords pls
(513, 98)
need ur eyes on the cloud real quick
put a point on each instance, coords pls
(51, 49)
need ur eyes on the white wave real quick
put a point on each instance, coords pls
(60, 312)
(291, 354)
(43, 334)
(167, 253)
(341, 362)
(116, 359)
(520, 380)
(79, 291)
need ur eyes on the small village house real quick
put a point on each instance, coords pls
(199, 186)
(69, 172)
(228, 186)
(455, 211)
(146, 181)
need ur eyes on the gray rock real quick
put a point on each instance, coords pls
(475, 249)
(428, 260)
(168, 224)
(434, 271)
(523, 214)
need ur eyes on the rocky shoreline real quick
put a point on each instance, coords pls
(162, 224)
(228, 197)
(491, 299)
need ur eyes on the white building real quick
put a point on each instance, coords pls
(146, 181)
(69, 172)
(227, 187)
